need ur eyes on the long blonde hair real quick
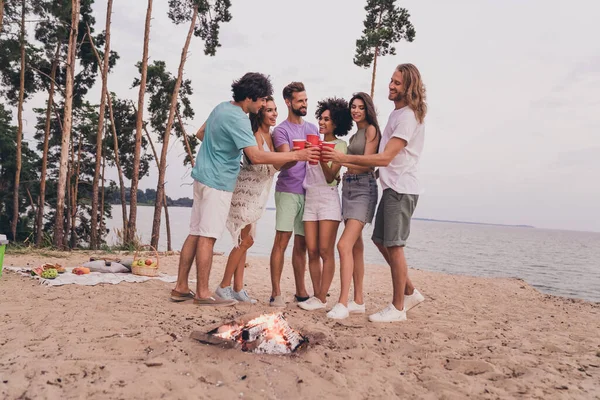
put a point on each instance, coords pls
(414, 90)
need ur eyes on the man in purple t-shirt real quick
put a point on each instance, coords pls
(289, 195)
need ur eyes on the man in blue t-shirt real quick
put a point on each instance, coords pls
(224, 135)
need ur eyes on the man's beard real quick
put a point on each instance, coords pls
(397, 97)
(301, 112)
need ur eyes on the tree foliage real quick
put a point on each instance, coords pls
(384, 25)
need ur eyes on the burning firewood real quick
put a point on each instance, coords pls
(267, 333)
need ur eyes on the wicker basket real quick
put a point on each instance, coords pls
(145, 270)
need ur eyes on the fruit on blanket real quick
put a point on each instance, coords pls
(50, 273)
(59, 268)
(37, 271)
(81, 270)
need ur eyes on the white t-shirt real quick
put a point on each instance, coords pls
(402, 173)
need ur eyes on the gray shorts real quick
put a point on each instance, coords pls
(392, 223)
(359, 197)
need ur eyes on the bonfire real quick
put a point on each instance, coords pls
(267, 334)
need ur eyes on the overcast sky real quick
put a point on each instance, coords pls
(513, 123)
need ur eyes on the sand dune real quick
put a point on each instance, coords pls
(476, 337)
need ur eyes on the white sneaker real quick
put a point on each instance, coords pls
(355, 308)
(225, 293)
(388, 314)
(339, 311)
(413, 300)
(243, 297)
(312, 304)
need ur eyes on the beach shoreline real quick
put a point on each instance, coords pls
(473, 336)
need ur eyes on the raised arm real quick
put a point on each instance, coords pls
(283, 149)
(383, 159)
(258, 156)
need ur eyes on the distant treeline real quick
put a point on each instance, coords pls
(148, 197)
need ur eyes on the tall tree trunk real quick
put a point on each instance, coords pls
(59, 232)
(166, 206)
(74, 197)
(42, 199)
(94, 217)
(15, 216)
(138, 130)
(1, 14)
(185, 138)
(116, 143)
(69, 189)
(118, 164)
(374, 72)
(101, 235)
(160, 188)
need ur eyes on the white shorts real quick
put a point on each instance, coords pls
(322, 204)
(209, 211)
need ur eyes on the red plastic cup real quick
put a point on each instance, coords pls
(299, 143)
(314, 141)
(331, 145)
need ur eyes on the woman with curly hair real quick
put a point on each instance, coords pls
(248, 204)
(359, 199)
(322, 208)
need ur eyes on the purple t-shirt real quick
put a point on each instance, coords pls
(290, 180)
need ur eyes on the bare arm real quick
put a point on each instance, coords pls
(330, 172)
(282, 149)
(200, 133)
(383, 159)
(258, 156)
(371, 146)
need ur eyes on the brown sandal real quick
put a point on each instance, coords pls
(178, 297)
(215, 301)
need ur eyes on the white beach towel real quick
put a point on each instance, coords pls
(91, 279)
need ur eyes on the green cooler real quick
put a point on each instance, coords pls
(3, 243)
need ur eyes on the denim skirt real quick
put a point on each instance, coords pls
(359, 197)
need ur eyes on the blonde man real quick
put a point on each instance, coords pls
(398, 158)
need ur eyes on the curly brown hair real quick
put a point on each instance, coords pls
(340, 114)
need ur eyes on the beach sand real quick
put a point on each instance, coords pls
(472, 337)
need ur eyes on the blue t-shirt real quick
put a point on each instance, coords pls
(227, 132)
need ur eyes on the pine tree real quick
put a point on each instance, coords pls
(385, 25)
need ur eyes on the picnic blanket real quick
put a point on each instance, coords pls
(91, 279)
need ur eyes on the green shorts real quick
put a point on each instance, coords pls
(392, 222)
(289, 210)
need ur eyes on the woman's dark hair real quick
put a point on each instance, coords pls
(370, 112)
(340, 114)
(253, 86)
(256, 120)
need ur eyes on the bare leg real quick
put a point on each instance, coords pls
(238, 277)
(385, 251)
(277, 255)
(347, 241)
(299, 264)
(204, 257)
(236, 254)
(311, 230)
(186, 258)
(358, 254)
(399, 275)
(327, 234)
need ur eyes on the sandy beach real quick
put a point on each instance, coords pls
(473, 337)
